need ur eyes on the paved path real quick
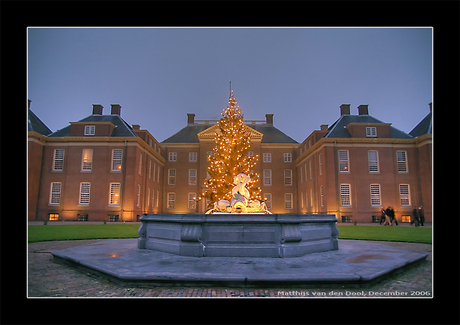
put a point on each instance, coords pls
(47, 278)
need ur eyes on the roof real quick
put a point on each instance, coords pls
(36, 125)
(189, 134)
(122, 129)
(424, 127)
(339, 130)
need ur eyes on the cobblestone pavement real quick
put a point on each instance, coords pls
(46, 278)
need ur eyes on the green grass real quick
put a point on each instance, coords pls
(75, 232)
(401, 234)
(72, 232)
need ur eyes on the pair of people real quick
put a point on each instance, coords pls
(418, 217)
(388, 216)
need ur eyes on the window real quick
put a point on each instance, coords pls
(345, 199)
(287, 157)
(84, 193)
(192, 200)
(171, 177)
(171, 200)
(249, 154)
(53, 216)
(154, 167)
(58, 162)
(371, 132)
(320, 160)
(153, 198)
(148, 197)
(90, 129)
(267, 157)
(87, 160)
(321, 195)
(405, 218)
(140, 164)
(82, 217)
(288, 200)
(138, 201)
(114, 194)
(192, 156)
(375, 195)
(306, 174)
(268, 200)
(158, 196)
(267, 177)
(192, 177)
(172, 156)
(116, 159)
(288, 177)
(401, 161)
(343, 161)
(310, 169)
(311, 198)
(373, 160)
(404, 194)
(55, 197)
(113, 217)
(301, 175)
(150, 169)
(346, 218)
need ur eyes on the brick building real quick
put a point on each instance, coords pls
(101, 168)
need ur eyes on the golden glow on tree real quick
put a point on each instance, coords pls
(229, 156)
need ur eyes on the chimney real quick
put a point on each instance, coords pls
(97, 109)
(136, 127)
(344, 109)
(190, 118)
(324, 127)
(363, 109)
(269, 119)
(116, 109)
(431, 104)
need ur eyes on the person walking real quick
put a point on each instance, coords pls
(382, 217)
(391, 214)
(421, 215)
(387, 217)
(415, 217)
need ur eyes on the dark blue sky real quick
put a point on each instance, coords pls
(302, 75)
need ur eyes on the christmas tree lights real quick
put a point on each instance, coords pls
(230, 157)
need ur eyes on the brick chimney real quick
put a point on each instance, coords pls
(363, 109)
(190, 118)
(97, 109)
(136, 127)
(344, 109)
(116, 109)
(324, 127)
(269, 119)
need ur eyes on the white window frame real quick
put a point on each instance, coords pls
(171, 197)
(371, 132)
(193, 157)
(267, 157)
(150, 169)
(148, 197)
(58, 160)
(376, 199)
(172, 156)
(344, 164)
(140, 164)
(138, 194)
(114, 192)
(373, 164)
(402, 162)
(345, 195)
(288, 177)
(267, 178)
(287, 157)
(192, 201)
(117, 161)
(404, 196)
(320, 163)
(288, 201)
(192, 178)
(85, 190)
(86, 160)
(268, 200)
(90, 130)
(171, 176)
(321, 193)
(55, 193)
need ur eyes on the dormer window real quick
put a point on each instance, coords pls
(90, 129)
(371, 132)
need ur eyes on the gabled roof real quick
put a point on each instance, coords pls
(36, 125)
(424, 127)
(122, 129)
(189, 134)
(339, 128)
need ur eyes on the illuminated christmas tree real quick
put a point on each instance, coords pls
(230, 156)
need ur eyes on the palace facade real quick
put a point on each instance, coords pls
(102, 168)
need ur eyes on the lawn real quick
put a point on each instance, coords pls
(73, 232)
(401, 234)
